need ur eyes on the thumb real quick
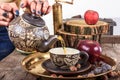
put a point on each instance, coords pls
(15, 8)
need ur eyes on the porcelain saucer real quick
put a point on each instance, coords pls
(50, 67)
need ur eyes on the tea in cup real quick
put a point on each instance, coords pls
(70, 57)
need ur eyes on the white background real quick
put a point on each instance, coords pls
(105, 8)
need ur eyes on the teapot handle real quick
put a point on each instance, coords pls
(84, 57)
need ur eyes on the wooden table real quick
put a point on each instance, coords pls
(10, 67)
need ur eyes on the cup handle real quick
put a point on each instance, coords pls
(84, 57)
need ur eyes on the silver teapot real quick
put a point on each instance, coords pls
(29, 33)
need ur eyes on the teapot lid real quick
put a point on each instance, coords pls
(33, 20)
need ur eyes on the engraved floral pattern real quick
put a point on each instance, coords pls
(72, 60)
(25, 36)
(64, 61)
(57, 60)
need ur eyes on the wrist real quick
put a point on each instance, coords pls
(6, 1)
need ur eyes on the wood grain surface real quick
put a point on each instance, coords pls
(10, 67)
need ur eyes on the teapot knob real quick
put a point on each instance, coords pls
(33, 19)
(34, 16)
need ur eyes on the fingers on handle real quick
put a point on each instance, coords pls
(29, 4)
(5, 7)
(5, 20)
(4, 23)
(6, 14)
(45, 7)
(48, 9)
(15, 8)
(33, 7)
(2, 18)
(39, 7)
(23, 3)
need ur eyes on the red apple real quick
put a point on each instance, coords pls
(93, 49)
(91, 17)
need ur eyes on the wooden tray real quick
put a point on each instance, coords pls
(33, 65)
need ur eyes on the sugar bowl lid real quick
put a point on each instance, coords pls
(33, 20)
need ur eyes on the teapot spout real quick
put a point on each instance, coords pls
(47, 44)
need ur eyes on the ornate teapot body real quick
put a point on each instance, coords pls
(29, 33)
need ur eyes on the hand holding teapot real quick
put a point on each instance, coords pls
(9, 9)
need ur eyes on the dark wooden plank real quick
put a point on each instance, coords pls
(110, 39)
(11, 69)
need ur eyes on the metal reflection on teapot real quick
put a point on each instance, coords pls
(29, 33)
